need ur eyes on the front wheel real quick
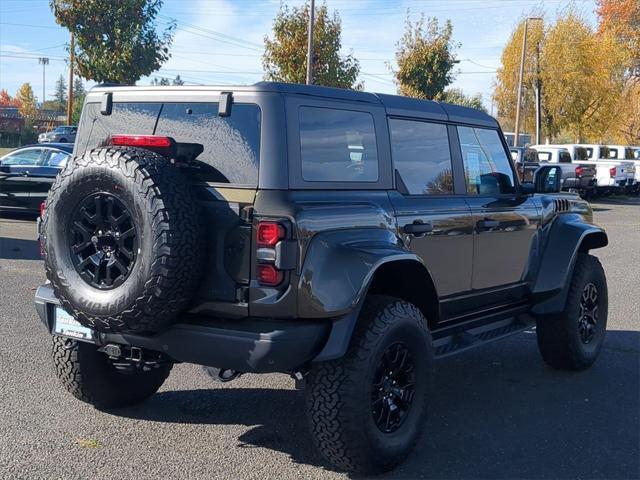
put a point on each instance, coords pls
(367, 409)
(90, 376)
(572, 339)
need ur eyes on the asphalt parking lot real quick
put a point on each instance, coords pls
(498, 411)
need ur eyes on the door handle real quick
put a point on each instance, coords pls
(418, 228)
(488, 223)
(26, 174)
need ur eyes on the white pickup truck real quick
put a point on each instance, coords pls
(627, 154)
(612, 175)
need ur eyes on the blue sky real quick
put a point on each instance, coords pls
(220, 41)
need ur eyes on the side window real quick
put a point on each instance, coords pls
(56, 158)
(486, 165)
(337, 145)
(613, 153)
(581, 153)
(420, 153)
(23, 158)
(544, 156)
(564, 157)
(230, 145)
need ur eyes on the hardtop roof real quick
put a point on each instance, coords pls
(394, 104)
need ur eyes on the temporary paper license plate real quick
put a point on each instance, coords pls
(67, 326)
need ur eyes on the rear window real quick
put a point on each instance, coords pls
(231, 145)
(564, 157)
(337, 145)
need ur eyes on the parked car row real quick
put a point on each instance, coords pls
(587, 169)
(577, 177)
(617, 168)
(26, 174)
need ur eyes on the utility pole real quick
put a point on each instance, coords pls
(520, 80)
(538, 97)
(44, 61)
(70, 92)
(310, 45)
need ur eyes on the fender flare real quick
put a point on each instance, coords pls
(566, 240)
(336, 275)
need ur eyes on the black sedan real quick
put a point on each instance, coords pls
(26, 175)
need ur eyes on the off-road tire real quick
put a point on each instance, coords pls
(338, 392)
(89, 376)
(558, 336)
(164, 211)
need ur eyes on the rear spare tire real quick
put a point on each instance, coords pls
(120, 240)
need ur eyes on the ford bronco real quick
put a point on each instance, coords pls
(345, 238)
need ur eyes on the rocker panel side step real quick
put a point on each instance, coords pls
(459, 341)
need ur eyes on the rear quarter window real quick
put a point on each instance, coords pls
(337, 145)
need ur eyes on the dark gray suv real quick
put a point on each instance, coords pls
(345, 238)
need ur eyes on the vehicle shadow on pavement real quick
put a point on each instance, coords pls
(497, 412)
(19, 249)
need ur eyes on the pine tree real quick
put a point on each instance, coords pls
(60, 95)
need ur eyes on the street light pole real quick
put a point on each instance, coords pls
(516, 137)
(310, 44)
(44, 61)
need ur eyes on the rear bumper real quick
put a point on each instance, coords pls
(582, 183)
(246, 345)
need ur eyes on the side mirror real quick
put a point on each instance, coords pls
(527, 188)
(547, 179)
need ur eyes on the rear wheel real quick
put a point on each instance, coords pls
(367, 409)
(90, 376)
(572, 340)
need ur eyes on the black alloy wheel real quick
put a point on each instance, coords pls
(588, 313)
(393, 388)
(104, 241)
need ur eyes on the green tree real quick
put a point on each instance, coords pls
(285, 56)
(78, 103)
(27, 103)
(162, 81)
(60, 94)
(426, 57)
(177, 81)
(78, 89)
(115, 41)
(458, 97)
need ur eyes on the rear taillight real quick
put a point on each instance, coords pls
(269, 233)
(269, 275)
(579, 171)
(612, 172)
(269, 236)
(43, 207)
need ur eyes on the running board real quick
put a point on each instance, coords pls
(457, 342)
